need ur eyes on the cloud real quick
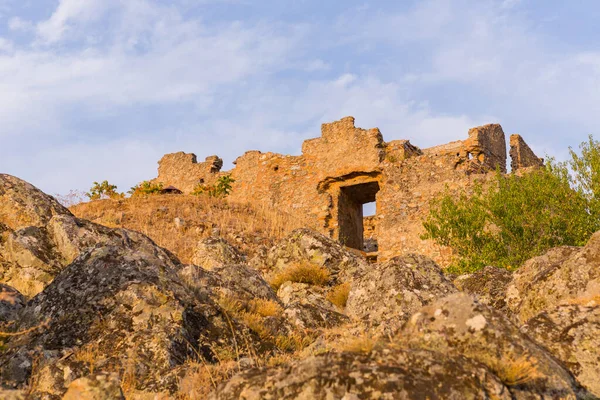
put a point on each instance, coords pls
(19, 24)
(69, 13)
(103, 88)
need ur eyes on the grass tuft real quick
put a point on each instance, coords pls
(338, 296)
(302, 273)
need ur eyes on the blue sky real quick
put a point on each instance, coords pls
(101, 89)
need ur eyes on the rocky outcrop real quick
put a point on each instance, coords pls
(23, 205)
(236, 281)
(562, 274)
(306, 307)
(11, 301)
(386, 296)
(307, 246)
(215, 252)
(127, 306)
(488, 285)
(390, 374)
(572, 334)
(32, 255)
(458, 324)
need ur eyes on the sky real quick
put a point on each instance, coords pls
(101, 89)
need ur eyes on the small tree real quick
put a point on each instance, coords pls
(221, 189)
(146, 188)
(103, 190)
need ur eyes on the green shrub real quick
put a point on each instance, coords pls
(103, 190)
(519, 217)
(146, 188)
(221, 189)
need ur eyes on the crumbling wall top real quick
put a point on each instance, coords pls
(487, 145)
(335, 151)
(521, 154)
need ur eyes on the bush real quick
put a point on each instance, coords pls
(103, 190)
(221, 189)
(146, 188)
(519, 217)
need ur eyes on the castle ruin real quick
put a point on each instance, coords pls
(347, 167)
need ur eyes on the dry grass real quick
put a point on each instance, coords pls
(294, 342)
(363, 344)
(302, 273)
(89, 355)
(247, 226)
(339, 295)
(515, 371)
(201, 379)
(265, 308)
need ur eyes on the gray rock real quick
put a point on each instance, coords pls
(127, 306)
(460, 325)
(390, 374)
(306, 307)
(488, 285)
(572, 334)
(11, 301)
(562, 274)
(215, 252)
(307, 246)
(386, 296)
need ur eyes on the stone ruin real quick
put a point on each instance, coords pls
(327, 186)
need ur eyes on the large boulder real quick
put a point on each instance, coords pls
(23, 205)
(119, 309)
(306, 307)
(214, 252)
(460, 325)
(305, 246)
(389, 374)
(488, 285)
(39, 237)
(562, 274)
(236, 281)
(389, 293)
(572, 334)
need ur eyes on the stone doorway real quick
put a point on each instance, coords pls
(351, 199)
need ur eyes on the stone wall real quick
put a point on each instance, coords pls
(346, 167)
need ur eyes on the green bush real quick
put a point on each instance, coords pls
(103, 190)
(221, 189)
(518, 217)
(146, 188)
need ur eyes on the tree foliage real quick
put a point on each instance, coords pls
(516, 217)
(103, 190)
(221, 189)
(146, 188)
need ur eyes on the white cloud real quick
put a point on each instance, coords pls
(69, 13)
(19, 24)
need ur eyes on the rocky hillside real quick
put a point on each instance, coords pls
(91, 311)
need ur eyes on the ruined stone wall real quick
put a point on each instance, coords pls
(346, 167)
(183, 171)
(521, 155)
